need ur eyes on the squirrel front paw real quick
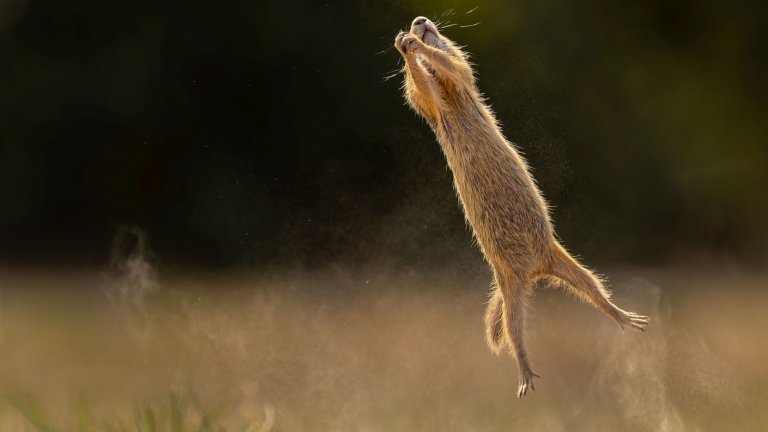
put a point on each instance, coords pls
(410, 43)
(406, 43)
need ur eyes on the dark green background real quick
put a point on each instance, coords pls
(264, 133)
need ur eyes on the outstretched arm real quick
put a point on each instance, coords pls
(419, 84)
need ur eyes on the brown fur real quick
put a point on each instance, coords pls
(501, 201)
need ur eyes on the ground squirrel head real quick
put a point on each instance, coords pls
(436, 69)
(426, 30)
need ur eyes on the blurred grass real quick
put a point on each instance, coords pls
(372, 351)
(176, 417)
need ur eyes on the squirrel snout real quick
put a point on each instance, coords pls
(419, 21)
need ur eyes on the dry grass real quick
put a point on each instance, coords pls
(370, 351)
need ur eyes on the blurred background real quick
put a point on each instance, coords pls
(223, 215)
(265, 133)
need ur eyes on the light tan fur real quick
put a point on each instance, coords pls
(501, 201)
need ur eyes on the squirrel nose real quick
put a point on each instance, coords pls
(419, 20)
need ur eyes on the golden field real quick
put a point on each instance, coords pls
(372, 350)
